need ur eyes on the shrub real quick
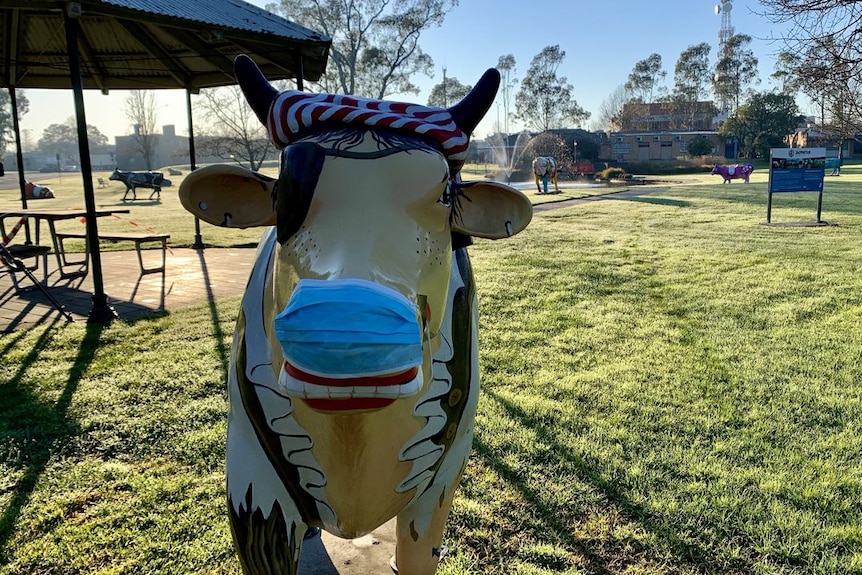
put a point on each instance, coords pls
(699, 147)
(610, 173)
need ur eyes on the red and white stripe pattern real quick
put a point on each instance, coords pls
(294, 112)
(14, 232)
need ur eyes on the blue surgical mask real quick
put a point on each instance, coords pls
(349, 328)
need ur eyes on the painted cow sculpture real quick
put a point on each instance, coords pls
(133, 180)
(544, 169)
(354, 375)
(739, 171)
(36, 192)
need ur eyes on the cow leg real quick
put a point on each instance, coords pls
(265, 522)
(267, 539)
(418, 553)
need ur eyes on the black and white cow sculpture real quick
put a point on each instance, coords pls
(133, 180)
(354, 374)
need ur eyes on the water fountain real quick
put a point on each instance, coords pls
(505, 157)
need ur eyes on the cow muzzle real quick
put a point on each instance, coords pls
(349, 344)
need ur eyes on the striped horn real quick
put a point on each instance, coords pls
(259, 93)
(469, 112)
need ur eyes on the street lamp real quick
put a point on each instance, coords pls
(575, 155)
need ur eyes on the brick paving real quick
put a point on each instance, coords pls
(191, 277)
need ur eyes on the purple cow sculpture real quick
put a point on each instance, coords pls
(739, 171)
(354, 374)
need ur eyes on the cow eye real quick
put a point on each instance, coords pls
(446, 198)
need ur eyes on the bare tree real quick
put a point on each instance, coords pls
(829, 35)
(612, 109)
(834, 26)
(375, 43)
(141, 111)
(234, 132)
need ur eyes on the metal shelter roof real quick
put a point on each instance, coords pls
(151, 44)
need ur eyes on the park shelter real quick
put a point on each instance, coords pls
(142, 44)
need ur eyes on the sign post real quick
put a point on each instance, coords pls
(796, 170)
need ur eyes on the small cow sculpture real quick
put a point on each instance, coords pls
(36, 192)
(739, 171)
(354, 374)
(545, 168)
(134, 180)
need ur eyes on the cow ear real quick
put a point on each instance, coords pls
(491, 210)
(229, 196)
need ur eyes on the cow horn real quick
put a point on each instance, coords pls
(259, 93)
(469, 112)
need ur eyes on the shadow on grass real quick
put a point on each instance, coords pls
(683, 551)
(222, 347)
(36, 429)
(657, 201)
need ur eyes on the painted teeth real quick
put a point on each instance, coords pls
(298, 388)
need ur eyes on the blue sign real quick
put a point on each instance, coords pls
(797, 170)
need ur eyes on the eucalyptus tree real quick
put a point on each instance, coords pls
(506, 67)
(735, 72)
(644, 81)
(447, 92)
(545, 100)
(6, 121)
(692, 75)
(62, 140)
(763, 122)
(375, 43)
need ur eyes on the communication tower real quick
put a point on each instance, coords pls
(724, 33)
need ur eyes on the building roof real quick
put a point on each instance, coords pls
(151, 44)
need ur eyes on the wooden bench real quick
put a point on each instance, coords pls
(138, 238)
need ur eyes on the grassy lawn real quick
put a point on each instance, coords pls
(669, 387)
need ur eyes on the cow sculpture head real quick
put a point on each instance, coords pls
(354, 375)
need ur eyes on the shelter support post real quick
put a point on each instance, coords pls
(300, 73)
(199, 243)
(101, 312)
(19, 155)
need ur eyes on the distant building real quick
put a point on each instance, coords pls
(667, 116)
(666, 145)
(812, 136)
(169, 149)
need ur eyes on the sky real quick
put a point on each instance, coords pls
(602, 42)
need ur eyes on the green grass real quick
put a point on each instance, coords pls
(669, 387)
(164, 215)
